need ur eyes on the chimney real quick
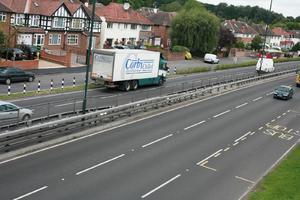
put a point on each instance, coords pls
(27, 6)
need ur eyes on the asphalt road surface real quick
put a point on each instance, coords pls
(212, 149)
(66, 102)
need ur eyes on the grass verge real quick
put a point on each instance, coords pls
(47, 92)
(283, 183)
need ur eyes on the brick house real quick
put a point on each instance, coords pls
(55, 25)
(5, 27)
(241, 30)
(162, 24)
(122, 24)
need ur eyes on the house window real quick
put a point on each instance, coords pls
(39, 39)
(133, 26)
(77, 23)
(109, 25)
(19, 19)
(2, 17)
(54, 39)
(145, 27)
(59, 22)
(72, 39)
(34, 20)
(125, 26)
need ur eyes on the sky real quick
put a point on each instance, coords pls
(285, 7)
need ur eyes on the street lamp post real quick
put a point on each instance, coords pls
(88, 58)
(265, 39)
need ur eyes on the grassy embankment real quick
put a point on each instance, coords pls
(283, 183)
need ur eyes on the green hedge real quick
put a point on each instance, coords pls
(280, 60)
(178, 48)
(238, 65)
(193, 70)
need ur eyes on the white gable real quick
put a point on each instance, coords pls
(62, 12)
(80, 14)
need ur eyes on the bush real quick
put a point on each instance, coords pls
(193, 70)
(178, 48)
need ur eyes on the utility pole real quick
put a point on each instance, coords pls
(265, 39)
(88, 58)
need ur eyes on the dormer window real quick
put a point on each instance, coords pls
(34, 20)
(109, 25)
(59, 22)
(133, 26)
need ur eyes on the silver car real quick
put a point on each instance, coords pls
(9, 111)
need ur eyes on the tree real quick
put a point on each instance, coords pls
(296, 47)
(256, 43)
(195, 28)
(226, 39)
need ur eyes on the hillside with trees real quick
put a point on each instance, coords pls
(223, 11)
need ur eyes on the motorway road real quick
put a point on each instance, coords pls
(53, 104)
(212, 149)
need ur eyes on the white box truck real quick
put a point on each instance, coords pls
(128, 69)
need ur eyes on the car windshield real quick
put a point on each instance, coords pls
(283, 89)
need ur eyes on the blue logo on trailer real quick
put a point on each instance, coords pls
(137, 66)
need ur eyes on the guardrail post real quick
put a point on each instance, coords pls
(62, 83)
(74, 81)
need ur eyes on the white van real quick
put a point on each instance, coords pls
(265, 65)
(211, 58)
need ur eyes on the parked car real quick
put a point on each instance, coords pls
(29, 51)
(283, 92)
(211, 58)
(13, 74)
(9, 111)
(10, 53)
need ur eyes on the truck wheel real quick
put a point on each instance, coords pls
(133, 85)
(161, 82)
(126, 86)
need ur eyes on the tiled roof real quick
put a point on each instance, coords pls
(158, 17)
(115, 12)
(261, 29)
(279, 31)
(239, 27)
(295, 33)
(4, 8)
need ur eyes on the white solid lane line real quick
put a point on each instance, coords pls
(105, 162)
(257, 99)
(269, 93)
(194, 125)
(162, 185)
(222, 113)
(109, 97)
(30, 193)
(239, 106)
(155, 141)
(243, 179)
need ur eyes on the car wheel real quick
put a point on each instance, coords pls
(26, 117)
(8, 81)
(30, 79)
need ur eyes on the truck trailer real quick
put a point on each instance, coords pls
(128, 69)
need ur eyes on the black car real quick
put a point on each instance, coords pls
(13, 74)
(11, 53)
(29, 51)
(283, 92)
